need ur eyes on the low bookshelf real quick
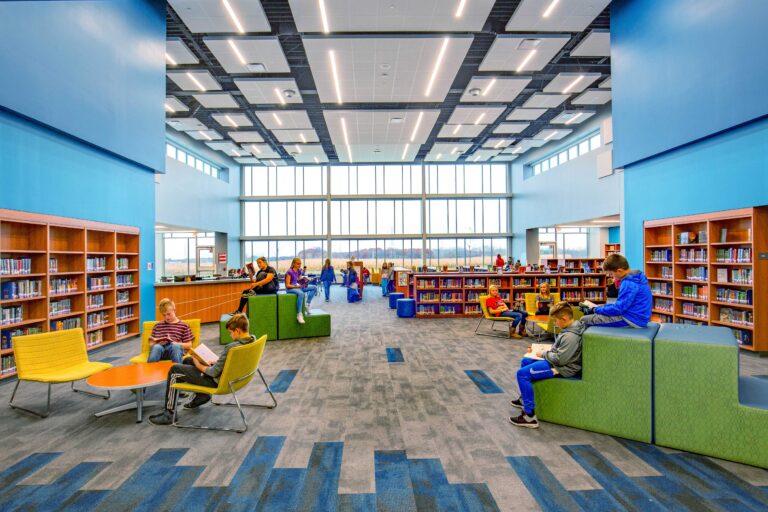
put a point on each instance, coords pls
(575, 265)
(445, 295)
(609, 249)
(61, 273)
(703, 269)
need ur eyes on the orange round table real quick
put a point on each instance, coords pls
(538, 318)
(133, 376)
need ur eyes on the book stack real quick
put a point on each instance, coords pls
(6, 335)
(693, 255)
(122, 330)
(695, 310)
(53, 265)
(662, 304)
(123, 297)
(7, 364)
(99, 283)
(695, 291)
(664, 255)
(122, 263)
(661, 288)
(95, 301)
(741, 276)
(124, 313)
(696, 273)
(428, 297)
(451, 297)
(94, 338)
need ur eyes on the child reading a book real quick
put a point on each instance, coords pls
(298, 284)
(544, 362)
(170, 337)
(544, 299)
(497, 307)
(264, 282)
(193, 371)
(633, 306)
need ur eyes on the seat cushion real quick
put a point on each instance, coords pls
(262, 316)
(753, 392)
(69, 374)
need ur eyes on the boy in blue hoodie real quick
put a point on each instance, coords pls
(633, 306)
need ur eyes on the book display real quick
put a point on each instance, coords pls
(59, 273)
(703, 270)
(440, 294)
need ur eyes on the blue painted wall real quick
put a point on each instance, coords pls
(44, 172)
(683, 70)
(614, 235)
(92, 69)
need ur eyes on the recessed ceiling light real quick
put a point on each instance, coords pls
(479, 118)
(474, 91)
(438, 63)
(169, 108)
(230, 121)
(385, 66)
(502, 141)
(554, 132)
(550, 9)
(405, 150)
(439, 156)
(396, 120)
(205, 135)
(456, 130)
(298, 149)
(279, 96)
(196, 81)
(416, 128)
(476, 158)
(460, 8)
(335, 73)
(573, 84)
(454, 150)
(255, 148)
(233, 16)
(170, 60)
(490, 86)
(324, 16)
(272, 163)
(303, 138)
(289, 93)
(517, 150)
(279, 121)
(237, 52)
(317, 160)
(256, 67)
(574, 118)
(526, 61)
(346, 137)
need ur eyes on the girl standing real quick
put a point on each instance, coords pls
(327, 277)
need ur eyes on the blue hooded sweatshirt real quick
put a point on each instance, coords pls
(634, 302)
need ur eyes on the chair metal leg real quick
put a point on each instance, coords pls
(90, 393)
(30, 411)
(494, 334)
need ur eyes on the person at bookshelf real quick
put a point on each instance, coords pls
(297, 284)
(264, 282)
(499, 262)
(327, 277)
(192, 371)
(497, 307)
(633, 305)
(171, 337)
(563, 359)
(352, 283)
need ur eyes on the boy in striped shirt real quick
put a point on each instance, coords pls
(171, 337)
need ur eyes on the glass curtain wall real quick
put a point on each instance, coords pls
(412, 215)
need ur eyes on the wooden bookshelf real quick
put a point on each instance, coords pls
(456, 294)
(577, 265)
(55, 266)
(703, 269)
(609, 249)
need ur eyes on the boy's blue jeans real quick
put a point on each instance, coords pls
(531, 370)
(172, 351)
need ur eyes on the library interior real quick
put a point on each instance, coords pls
(383, 255)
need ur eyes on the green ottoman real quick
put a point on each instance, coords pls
(318, 323)
(702, 405)
(613, 395)
(262, 316)
(224, 336)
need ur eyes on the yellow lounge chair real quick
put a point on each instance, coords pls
(147, 330)
(493, 319)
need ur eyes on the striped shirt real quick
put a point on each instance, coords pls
(178, 332)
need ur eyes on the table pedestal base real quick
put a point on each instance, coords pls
(137, 404)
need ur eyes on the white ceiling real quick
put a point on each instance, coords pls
(503, 158)
(566, 15)
(543, 100)
(175, 105)
(605, 84)
(212, 15)
(185, 124)
(284, 119)
(205, 135)
(178, 51)
(391, 16)
(261, 150)
(490, 89)
(498, 143)
(216, 100)
(193, 80)
(269, 91)
(385, 69)
(482, 155)
(507, 128)
(264, 50)
(596, 44)
(593, 97)
(552, 134)
(298, 136)
(227, 147)
(510, 53)
(307, 153)
(232, 120)
(248, 160)
(475, 115)
(526, 114)
(572, 117)
(571, 83)
(460, 131)
(447, 152)
(245, 136)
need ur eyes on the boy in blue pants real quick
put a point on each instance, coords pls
(633, 305)
(564, 358)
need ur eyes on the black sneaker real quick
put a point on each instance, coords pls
(525, 421)
(164, 418)
(516, 403)
(200, 399)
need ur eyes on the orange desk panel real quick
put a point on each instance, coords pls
(206, 300)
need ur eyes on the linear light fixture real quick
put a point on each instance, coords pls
(549, 9)
(573, 84)
(574, 118)
(405, 150)
(279, 96)
(454, 150)
(169, 109)
(324, 16)
(335, 72)
(237, 52)
(279, 121)
(551, 135)
(197, 82)
(460, 9)
(502, 141)
(439, 156)
(170, 60)
(476, 158)
(303, 138)
(230, 120)
(297, 148)
(272, 163)
(438, 63)
(205, 135)
(317, 160)
(479, 118)
(525, 61)
(255, 148)
(233, 16)
(456, 130)
(346, 137)
(517, 150)
(490, 86)
(416, 128)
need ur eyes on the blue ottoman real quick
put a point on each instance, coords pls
(393, 299)
(406, 308)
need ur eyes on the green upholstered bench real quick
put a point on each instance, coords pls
(702, 405)
(318, 323)
(262, 316)
(224, 336)
(613, 395)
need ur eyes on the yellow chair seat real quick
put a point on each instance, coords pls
(530, 301)
(75, 372)
(141, 358)
(146, 331)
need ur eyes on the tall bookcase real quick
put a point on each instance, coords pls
(609, 249)
(578, 265)
(60, 273)
(448, 295)
(704, 269)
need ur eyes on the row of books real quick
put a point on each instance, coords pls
(472, 309)
(570, 295)
(658, 288)
(422, 309)
(428, 297)
(592, 281)
(661, 255)
(60, 307)
(734, 255)
(63, 285)
(738, 276)
(688, 321)
(695, 309)
(667, 273)
(24, 289)
(124, 313)
(94, 338)
(451, 283)
(734, 296)
(426, 283)
(94, 301)
(743, 337)
(6, 335)
(451, 297)
(124, 280)
(474, 283)
(695, 291)
(692, 237)
(696, 273)
(450, 309)
(122, 330)
(123, 263)
(66, 323)
(95, 263)
(662, 304)
(693, 255)
(15, 266)
(594, 295)
(569, 281)
(7, 364)
(11, 315)
(99, 283)
(97, 319)
(123, 297)
(736, 316)
(53, 265)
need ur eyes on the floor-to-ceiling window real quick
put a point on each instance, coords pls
(412, 215)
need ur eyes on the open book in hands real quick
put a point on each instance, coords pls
(161, 341)
(203, 354)
(588, 304)
(536, 348)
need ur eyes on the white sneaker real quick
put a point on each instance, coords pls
(300, 318)
(308, 306)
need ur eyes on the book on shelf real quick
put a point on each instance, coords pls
(537, 348)
(722, 275)
(204, 354)
(723, 235)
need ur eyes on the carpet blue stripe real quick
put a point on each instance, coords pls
(321, 484)
(282, 491)
(431, 489)
(85, 501)
(283, 381)
(200, 499)
(252, 476)
(169, 490)
(542, 484)
(612, 479)
(674, 496)
(357, 502)
(108, 359)
(395, 355)
(151, 476)
(21, 470)
(50, 497)
(475, 498)
(394, 492)
(483, 381)
(595, 499)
